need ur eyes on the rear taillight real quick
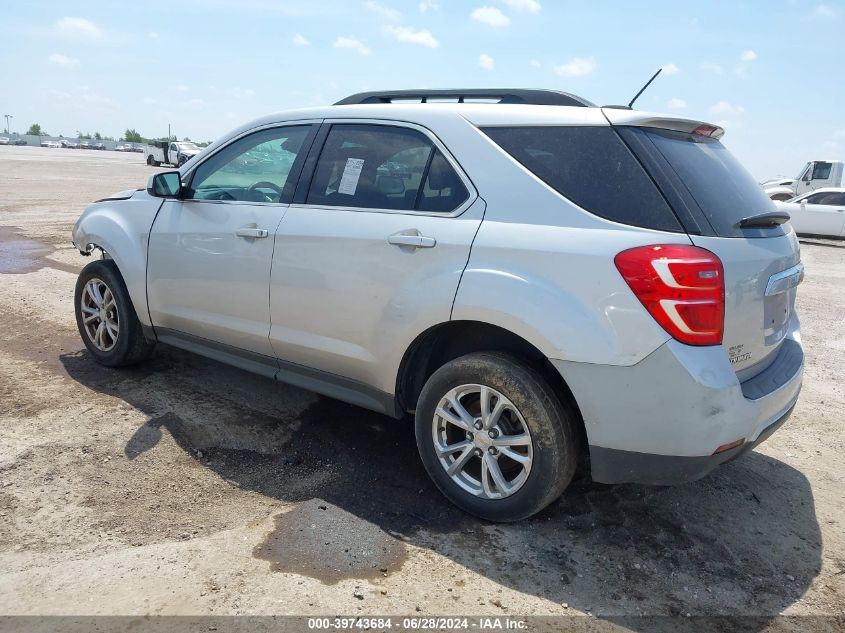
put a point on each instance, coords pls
(682, 287)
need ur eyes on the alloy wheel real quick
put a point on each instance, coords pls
(482, 441)
(100, 318)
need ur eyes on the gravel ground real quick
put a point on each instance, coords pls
(186, 487)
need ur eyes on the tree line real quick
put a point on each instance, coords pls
(130, 135)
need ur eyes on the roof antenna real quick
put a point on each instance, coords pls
(647, 84)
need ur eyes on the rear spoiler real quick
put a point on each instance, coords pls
(616, 116)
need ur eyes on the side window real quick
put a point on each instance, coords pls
(593, 168)
(822, 171)
(806, 175)
(827, 198)
(444, 191)
(383, 167)
(252, 169)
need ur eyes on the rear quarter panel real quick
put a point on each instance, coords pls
(543, 268)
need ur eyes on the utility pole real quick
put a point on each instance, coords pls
(169, 138)
(8, 127)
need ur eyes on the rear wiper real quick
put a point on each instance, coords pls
(770, 218)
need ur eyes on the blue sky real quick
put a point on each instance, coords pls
(769, 71)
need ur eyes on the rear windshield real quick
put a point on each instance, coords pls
(717, 185)
(593, 168)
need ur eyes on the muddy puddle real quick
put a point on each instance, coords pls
(20, 254)
(322, 541)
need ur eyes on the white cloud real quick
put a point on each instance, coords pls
(748, 56)
(839, 133)
(428, 5)
(181, 88)
(726, 108)
(384, 12)
(153, 35)
(63, 60)
(78, 28)
(576, 67)
(412, 36)
(351, 42)
(529, 6)
(534, 63)
(710, 67)
(299, 40)
(824, 11)
(676, 104)
(491, 16)
(486, 62)
(671, 69)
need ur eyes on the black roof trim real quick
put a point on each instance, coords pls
(532, 97)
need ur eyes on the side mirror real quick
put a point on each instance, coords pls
(804, 203)
(167, 184)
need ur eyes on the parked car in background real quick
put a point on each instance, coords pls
(51, 144)
(69, 144)
(18, 141)
(819, 212)
(4, 140)
(542, 283)
(816, 174)
(100, 146)
(136, 147)
(85, 145)
(175, 153)
(120, 147)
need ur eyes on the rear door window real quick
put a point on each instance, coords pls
(384, 167)
(593, 168)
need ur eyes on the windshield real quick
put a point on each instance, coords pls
(187, 146)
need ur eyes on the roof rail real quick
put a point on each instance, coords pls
(533, 97)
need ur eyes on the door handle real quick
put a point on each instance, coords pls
(250, 231)
(414, 240)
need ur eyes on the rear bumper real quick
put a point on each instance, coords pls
(662, 420)
(609, 465)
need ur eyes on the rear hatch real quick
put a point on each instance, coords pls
(711, 193)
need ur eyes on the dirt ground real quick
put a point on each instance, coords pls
(184, 486)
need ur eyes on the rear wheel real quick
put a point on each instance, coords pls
(152, 162)
(106, 317)
(494, 437)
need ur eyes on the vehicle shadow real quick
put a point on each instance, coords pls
(742, 541)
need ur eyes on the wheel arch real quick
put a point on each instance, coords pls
(108, 231)
(444, 342)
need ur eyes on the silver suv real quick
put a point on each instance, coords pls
(543, 284)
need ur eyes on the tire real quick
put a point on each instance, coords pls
(551, 449)
(123, 342)
(152, 162)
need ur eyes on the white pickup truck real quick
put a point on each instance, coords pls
(814, 175)
(175, 153)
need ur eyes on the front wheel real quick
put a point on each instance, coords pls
(106, 318)
(494, 437)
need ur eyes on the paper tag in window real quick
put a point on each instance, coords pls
(351, 174)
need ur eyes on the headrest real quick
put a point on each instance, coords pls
(442, 176)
